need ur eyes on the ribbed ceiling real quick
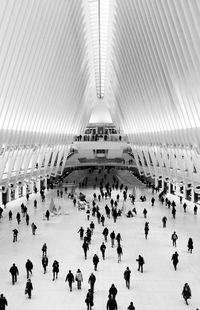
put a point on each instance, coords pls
(154, 71)
(49, 75)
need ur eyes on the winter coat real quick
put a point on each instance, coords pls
(111, 304)
(69, 277)
(3, 303)
(14, 270)
(45, 261)
(95, 259)
(55, 266)
(127, 274)
(29, 265)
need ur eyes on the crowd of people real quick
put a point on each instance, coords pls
(96, 215)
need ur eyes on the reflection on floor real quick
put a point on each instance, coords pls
(159, 287)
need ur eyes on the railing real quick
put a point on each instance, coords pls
(101, 137)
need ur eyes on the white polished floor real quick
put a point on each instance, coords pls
(159, 287)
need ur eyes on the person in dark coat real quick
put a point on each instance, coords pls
(14, 272)
(35, 203)
(102, 219)
(190, 245)
(45, 262)
(85, 247)
(174, 237)
(195, 210)
(119, 252)
(118, 238)
(127, 275)
(91, 281)
(131, 306)
(33, 227)
(175, 259)
(55, 269)
(29, 288)
(92, 226)
(44, 249)
(10, 215)
(186, 293)
(184, 207)
(18, 217)
(145, 213)
(27, 219)
(146, 229)
(29, 267)
(105, 233)
(70, 279)
(112, 237)
(102, 249)
(164, 220)
(111, 304)
(140, 261)
(174, 212)
(152, 201)
(89, 300)
(47, 214)
(15, 234)
(95, 261)
(81, 232)
(112, 291)
(3, 302)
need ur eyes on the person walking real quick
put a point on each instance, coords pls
(195, 210)
(175, 259)
(184, 207)
(119, 252)
(3, 302)
(103, 249)
(29, 267)
(27, 219)
(45, 262)
(33, 227)
(105, 233)
(44, 249)
(91, 281)
(152, 201)
(118, 238)
(145, 213)
(29, 288)
(111, 304)
(89, 300)
(55, 269)
(81, 232)
(164, 220)
(146, 229)
(14, 273)
(95, 261)
(47, 215)
(112, 237)
(174, 238)
(15, 234)
(190, 245)
(70, 279)
(174, 212)
(18, 217)
(131, 306)
(79, 278)
(10, 215)
(140, 261)
(112, 291)
(92, 226)
(186, 293)
(127, 275)
(85, 247)
(35, 203)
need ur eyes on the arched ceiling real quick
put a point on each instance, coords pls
(50, 68)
